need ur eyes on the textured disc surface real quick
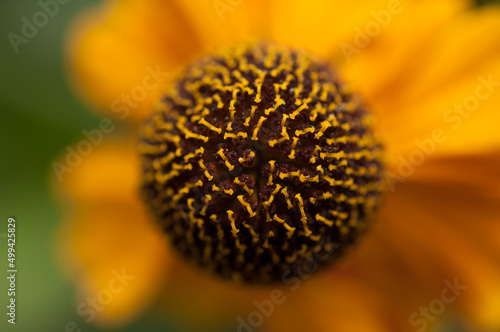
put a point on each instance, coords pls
(259, 160)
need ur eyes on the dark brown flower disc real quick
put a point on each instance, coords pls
(260, 160)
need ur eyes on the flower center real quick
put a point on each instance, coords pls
(260, 162)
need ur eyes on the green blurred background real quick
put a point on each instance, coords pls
(39, 117)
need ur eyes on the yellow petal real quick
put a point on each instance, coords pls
(330, 302)
(392, 56)
(120, 54)
(319, 26)
(107, 242)
(476, 179)
(445, 218)
(450, 67)
(220, 22)
(199, 301)
(464, 73)
(109, 172)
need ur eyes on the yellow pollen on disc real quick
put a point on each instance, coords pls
(257, 159)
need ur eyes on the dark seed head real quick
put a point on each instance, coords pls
(260, 160)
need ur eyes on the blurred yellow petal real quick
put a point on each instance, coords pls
(108, 243)
(446, 217)
(203, 302)
(458, 85)
(329, 302)
(392, 271)
(220, 22)
(110, 172)
(468, 47)
(391, 56)
(451, 85)
(319, 26)
(120, 54)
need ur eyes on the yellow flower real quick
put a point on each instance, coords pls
(430, 73)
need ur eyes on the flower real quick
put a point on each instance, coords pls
(428, 71)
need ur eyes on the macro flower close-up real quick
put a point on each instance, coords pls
(272, 165)
(427, 73)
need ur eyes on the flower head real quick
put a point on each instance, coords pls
(258, 159)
